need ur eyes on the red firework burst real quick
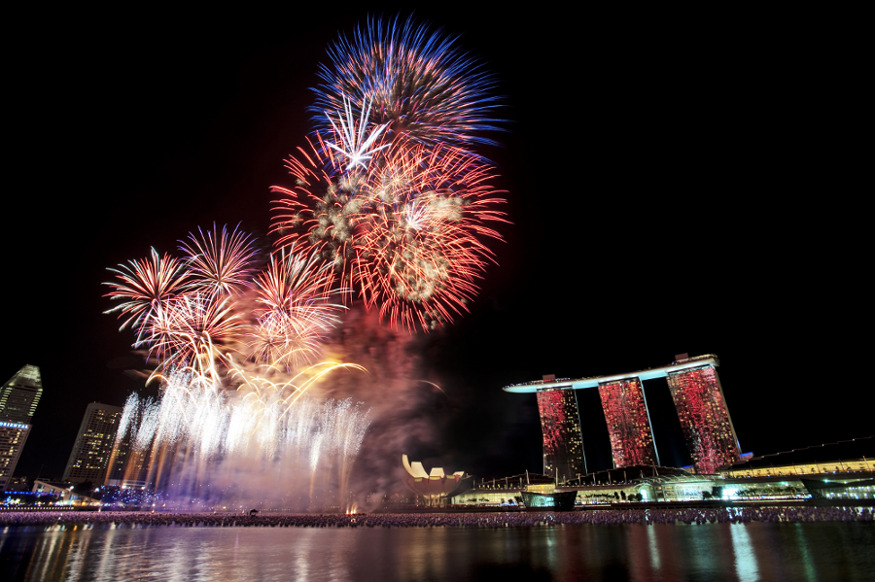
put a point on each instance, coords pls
(421, 258)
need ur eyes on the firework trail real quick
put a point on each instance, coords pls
(418, 83)
(201, 436)
(143, 286)
(220, 263)
(193, 330)
(357, 149)
(324, 211)
(294, 313)
(420, 262)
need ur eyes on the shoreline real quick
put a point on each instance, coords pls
(128, 519)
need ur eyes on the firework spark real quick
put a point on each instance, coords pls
(192, 329)
(324, 211)
(144, 285)
(295, 313)
(220, 262)
(422, 86)
(406, 236)
(201, 434)
(354, 145)
(420, 263)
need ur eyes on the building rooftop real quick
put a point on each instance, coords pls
(593, 382)
(859, 448)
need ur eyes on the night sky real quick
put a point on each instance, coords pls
(676, 183)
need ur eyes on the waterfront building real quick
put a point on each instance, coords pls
(628, 423)
(698, 398)
(62, 492)
(93, 448)
(432, 488)
(13, 436)
(563, 443)
(831, 472)
(19, 397)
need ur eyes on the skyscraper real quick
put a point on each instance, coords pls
(93, 447)
(19, 397)
(628, 422)
(563, 441)
(708, 431)
(698, 399)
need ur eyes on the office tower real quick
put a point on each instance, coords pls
(563, 443)
(19, 397)
(705, 422)
(628, 423)
(91, 452)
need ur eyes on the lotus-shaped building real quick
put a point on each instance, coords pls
(434, 486)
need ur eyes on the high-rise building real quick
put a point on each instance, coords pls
(698, 398)
(628, 423)
(563, 441)
(705, 422)
(19, 397)
(93, 448)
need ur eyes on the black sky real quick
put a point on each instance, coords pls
(677, 183)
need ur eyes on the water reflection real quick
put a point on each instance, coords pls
(736, 552)
(745, 559)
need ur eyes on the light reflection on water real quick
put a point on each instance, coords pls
(720, 551)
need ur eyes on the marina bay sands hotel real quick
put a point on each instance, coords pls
(698, 399)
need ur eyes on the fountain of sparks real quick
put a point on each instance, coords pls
(262, 445)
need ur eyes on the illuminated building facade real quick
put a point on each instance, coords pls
(563, 442)
(628, 423)
(94, 444)
(697, 395)
(708, 431)
(13, 435)
(19, 397)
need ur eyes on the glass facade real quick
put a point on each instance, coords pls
(628, 423)
(19, 397)
(560, 425)
(94, 444)
(705, 422)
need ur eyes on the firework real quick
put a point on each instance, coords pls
(324, 211)
(406, 236)
(420, 262)
(201, 435)
(389, 205)
(419, 84)
(294, 313)
(144, 285)
(219, 263)
(357, 149)
(192, 329)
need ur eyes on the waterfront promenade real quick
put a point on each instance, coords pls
(490, 519)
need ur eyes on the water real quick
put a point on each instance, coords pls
(662, 552)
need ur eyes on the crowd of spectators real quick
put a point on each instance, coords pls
(485, 519)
